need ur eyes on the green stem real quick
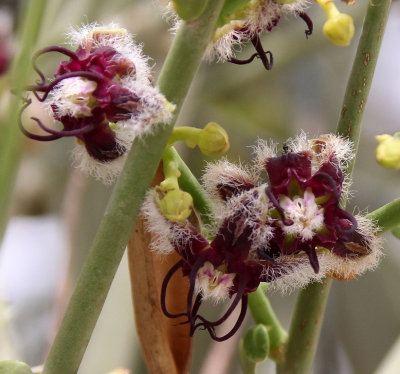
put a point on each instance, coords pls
(387, 217)
(190, 135)
(171, 172)
(189, 183)
(263, 313)
(11, 137)
(360, 80)
(310, 307)
(124, 205)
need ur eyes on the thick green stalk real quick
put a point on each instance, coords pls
(360, 80)
(124, 205)
(311, 303)
(10, 141)
(263, 313)
(387, 217)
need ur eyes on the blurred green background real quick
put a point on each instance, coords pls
(56, 210)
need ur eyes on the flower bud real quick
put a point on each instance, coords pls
(256, 343)
(14, 367)
(388, 150)
(213, 140)
(339, 29)
(176, 205)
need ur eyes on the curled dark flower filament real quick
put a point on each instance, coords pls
(304, 16)
(265, 56)
(192, 308)
(55, 134)
(334, 190)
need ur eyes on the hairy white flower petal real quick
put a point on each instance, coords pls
(306, 215)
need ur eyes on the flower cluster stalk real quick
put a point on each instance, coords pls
(124, 205)
(308, 315)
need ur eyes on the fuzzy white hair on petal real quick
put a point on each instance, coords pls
(153, 108)
(119, 39)
(335, 146)
(294, 272)
(157, 225)
(299, 143)
(226, 38)
(349, 267)
(225, 173)
(71, 97)
(105, 172)
(263, 150)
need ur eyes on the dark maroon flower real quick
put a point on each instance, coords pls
(102, 95)
(289, 232)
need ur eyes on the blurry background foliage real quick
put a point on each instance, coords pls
(56, 210)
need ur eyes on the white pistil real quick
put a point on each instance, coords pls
(305, 213)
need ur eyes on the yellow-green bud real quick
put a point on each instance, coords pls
(339, 29)
(388, 150)
(176, 205)
(14, 367)
(213, 140)
(256, 343)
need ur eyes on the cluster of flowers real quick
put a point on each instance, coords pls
(288, 232)
(103, 96)
(244, 21)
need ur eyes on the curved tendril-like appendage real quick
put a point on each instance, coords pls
(81, 131)
(255, 40)
(266, 56)
(42, 138)
(164, 286)
(332, 184)
(275, 203)
(46, 88)
(243, 62)
(235, 302)
(304, 16)
(333, 188)
(353, 221)
(235, 328)
(313, 258)
(192, 277)
(61, 50)
(193, 308)
(54, 134)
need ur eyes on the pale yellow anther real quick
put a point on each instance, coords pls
(388, 151)
(339, 27)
